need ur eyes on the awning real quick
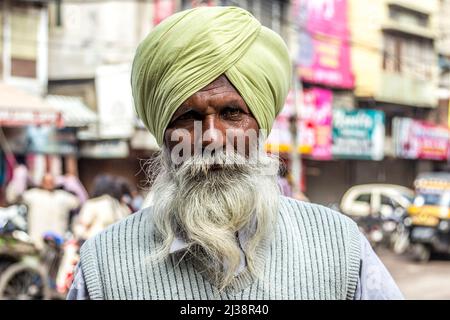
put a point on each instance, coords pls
(74, 112)
(19, 108)
(106, 149)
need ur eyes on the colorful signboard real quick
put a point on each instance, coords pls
(358, 134)
(313, 125)
(280, 138)
(415, 139)
(323, 56)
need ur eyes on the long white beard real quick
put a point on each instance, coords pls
(206, 207)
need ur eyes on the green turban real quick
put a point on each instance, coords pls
(192, 48)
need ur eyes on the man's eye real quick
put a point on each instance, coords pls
(231, 113)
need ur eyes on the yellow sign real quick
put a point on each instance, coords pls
(428, 215)
(425, 220)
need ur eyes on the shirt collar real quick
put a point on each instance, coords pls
(179, 245)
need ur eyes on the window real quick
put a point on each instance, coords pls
(270, 13)
(365, 197)
(189, 4)
(389, 202)
(25, 19)
(392, 54)
(55, 13)
(409, 55)
(408, 16)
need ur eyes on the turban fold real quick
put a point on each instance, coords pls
(192, 48)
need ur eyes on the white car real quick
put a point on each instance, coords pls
(382, 200)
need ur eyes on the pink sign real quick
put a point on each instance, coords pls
(421, 140)
(162, 10)
(315, 124)
(324, 42)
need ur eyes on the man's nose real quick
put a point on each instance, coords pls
(213, 133)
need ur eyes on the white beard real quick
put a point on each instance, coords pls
(207, 207)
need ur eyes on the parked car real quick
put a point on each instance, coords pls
(379, 210)
(376, 200)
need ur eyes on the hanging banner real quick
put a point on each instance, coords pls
(415, 139)
(323, 34)
(358, 134)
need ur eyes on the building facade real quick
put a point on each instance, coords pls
(395, 63)
(24, 44)
(91, 48)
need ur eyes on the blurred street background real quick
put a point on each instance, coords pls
(365, 128)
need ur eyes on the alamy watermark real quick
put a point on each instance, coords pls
(236, 147)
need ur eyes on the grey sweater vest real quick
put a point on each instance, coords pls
(313, 254)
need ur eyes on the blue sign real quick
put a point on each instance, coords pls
(358, 134)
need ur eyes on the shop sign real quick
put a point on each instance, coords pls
(358, 134)
(414, 139)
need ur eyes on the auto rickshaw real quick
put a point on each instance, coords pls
(428, 218)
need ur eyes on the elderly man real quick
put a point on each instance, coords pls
(204, 81)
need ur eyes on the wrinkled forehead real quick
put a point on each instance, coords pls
(219, 88)
(217, 93)
(221, 81)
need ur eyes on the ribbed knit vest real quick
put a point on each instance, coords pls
(314, 253)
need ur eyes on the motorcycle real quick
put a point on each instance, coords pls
(380, 230)
(29, 273)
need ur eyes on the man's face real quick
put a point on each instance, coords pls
(48, 182)
(221, 114)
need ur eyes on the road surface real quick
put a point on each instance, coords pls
(419, 281)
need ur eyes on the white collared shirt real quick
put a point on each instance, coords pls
(179, 245)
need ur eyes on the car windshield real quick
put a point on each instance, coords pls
(433, 199)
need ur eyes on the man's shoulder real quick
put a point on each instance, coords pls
(307, 211)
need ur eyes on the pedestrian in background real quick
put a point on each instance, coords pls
(48, 208)
(71, 183)
(105, 207)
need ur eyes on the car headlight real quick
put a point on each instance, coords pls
(444, 226)
(407, 222)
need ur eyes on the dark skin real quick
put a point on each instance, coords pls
(219, 107)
